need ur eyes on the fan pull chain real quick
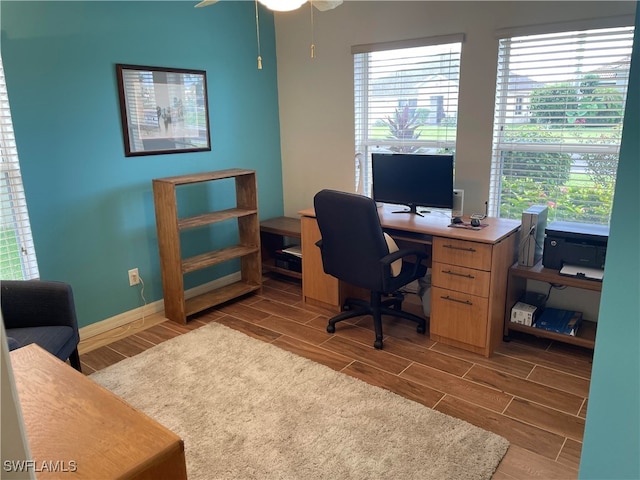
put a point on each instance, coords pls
(313, 46)
(258, 37)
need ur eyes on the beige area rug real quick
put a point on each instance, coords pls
(249, 410)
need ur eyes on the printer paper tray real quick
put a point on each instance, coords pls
(582, 272)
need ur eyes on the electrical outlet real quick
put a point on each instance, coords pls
(134, 277)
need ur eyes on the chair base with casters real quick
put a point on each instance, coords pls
(376, 307)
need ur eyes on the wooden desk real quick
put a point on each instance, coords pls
(469, 274)
(72, 420)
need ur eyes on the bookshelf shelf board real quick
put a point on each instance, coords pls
(215, 257)
(213, 217)
(218, 296)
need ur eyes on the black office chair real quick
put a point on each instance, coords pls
(354, 250)
(44, 313)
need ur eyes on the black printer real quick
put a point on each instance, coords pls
(579, 244)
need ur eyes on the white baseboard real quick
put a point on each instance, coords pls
(131, 316)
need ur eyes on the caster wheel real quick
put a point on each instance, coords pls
(331, 328)
(378, 344)
(421, 329)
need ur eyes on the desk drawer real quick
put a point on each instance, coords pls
(462, 252)
(461, 279)
(459, 317)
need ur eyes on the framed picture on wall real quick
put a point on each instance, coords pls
(163, 110)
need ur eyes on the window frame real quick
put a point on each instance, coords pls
(17, 261)
(365, 144)
(578, 153)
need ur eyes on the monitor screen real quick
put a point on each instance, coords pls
(413, 180)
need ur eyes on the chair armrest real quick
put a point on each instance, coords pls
(37, 303)
(402, 254)
(387, 260)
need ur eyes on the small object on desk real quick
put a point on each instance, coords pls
(468, 225)
(475, 222)
(457, 220)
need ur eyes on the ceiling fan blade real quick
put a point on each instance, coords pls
(204, 3)
(324, 5)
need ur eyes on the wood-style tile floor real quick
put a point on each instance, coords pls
(531, 391)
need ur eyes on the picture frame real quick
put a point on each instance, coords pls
(163, 110)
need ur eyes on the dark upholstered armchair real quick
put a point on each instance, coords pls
(354, 250)
(41, 312)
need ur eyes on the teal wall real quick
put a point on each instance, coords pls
(612, 435)
(91, 207)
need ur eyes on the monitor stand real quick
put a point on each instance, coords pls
(413, 209)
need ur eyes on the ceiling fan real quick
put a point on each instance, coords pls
(287, 5)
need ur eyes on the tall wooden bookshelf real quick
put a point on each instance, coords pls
(174, 267)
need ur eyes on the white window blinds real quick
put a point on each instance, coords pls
(17, 255)
(406, 99)
(560, 101)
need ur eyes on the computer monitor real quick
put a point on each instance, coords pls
(413, 180)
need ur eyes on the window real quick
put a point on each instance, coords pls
(560, 101)
(406, 99)
(17, 255)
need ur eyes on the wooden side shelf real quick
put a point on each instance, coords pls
(517, 283)
(177, 307)
(273, 233)
(586, 336)
(542, 274)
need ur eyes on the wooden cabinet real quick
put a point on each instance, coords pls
(274, 235)
(518, 276)
(318, 288)
(468, 292)
(170, 225)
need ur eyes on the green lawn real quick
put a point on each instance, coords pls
(568, 133)
(427, 132)
(10, 268)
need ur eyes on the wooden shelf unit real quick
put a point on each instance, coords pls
(273, 233)
(169, 225)
(517, 285)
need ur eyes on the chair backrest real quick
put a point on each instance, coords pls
(352, 238)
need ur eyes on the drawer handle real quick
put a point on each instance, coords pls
(453, 247)
(465, 275)
(447, 297)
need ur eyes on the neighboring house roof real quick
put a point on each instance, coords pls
(614, 69)
(521, 82)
